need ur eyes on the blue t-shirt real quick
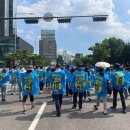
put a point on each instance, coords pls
(30, 83)
(4, 79)
(101, 85)
(58, 82)
(79, 81)
(42, 75)
(119, 80)
(15, 76)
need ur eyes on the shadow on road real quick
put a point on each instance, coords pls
(26, 117)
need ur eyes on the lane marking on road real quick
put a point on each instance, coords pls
(37, 117)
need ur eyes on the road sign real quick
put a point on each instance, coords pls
(48, 17)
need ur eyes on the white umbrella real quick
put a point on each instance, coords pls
(102, 64)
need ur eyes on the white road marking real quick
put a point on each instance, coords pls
(37, 117)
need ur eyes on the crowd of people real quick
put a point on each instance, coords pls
(74, 81)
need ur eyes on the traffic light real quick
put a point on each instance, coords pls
(31, 21)
(64, 20)
(99, 18)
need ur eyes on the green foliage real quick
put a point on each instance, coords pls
(60, 60)
(116, 47)
(84, 60)
(111, 50)
(25, 57)
(100, 52)
(126, 54)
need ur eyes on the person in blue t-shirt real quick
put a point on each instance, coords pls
(101, 92)
(127, 75)
(67, 72)
(87, 70)
(79, 86)
(4, 81)
(48, 71)
(118, 82)
(58, 84)
(30, 86)
(42, 78)
(15, 75)
(72, 70)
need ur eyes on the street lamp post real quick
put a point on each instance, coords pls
(15, 34)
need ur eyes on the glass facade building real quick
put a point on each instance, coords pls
(6, 28)
(47, 45)
(7, 46)
(7, 37)
(6, 10)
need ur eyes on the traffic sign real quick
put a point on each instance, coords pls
(48, 17)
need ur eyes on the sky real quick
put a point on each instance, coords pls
(81, 33)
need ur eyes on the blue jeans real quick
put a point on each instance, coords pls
(58, 102)
(3, 92)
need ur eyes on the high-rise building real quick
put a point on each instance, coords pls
(7, 37)
(7, 46)
(6, 10)
(47, 45)
(79, 55)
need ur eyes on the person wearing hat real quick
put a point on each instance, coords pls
(119, 82)
(58, 84)
(101, 80)
(79, 86)
(30, 86)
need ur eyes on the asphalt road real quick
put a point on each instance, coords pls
(87, 119)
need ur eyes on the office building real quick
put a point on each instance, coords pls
(7, 37)
(79, 55)
(47, 45)
(6, 10)
(7, 46)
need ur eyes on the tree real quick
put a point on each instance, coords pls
(85, 60)
(116, 47)
(100, 52)
(126, 55)
(109, 50)
(40, 60)
(25, 57)
(60, 59)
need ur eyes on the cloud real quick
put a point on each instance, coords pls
(112, 27)
(20, 31)
(129, 11)
(64, 8)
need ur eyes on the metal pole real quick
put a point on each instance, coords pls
(15, 35)
(8, 18)
(35, 45)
